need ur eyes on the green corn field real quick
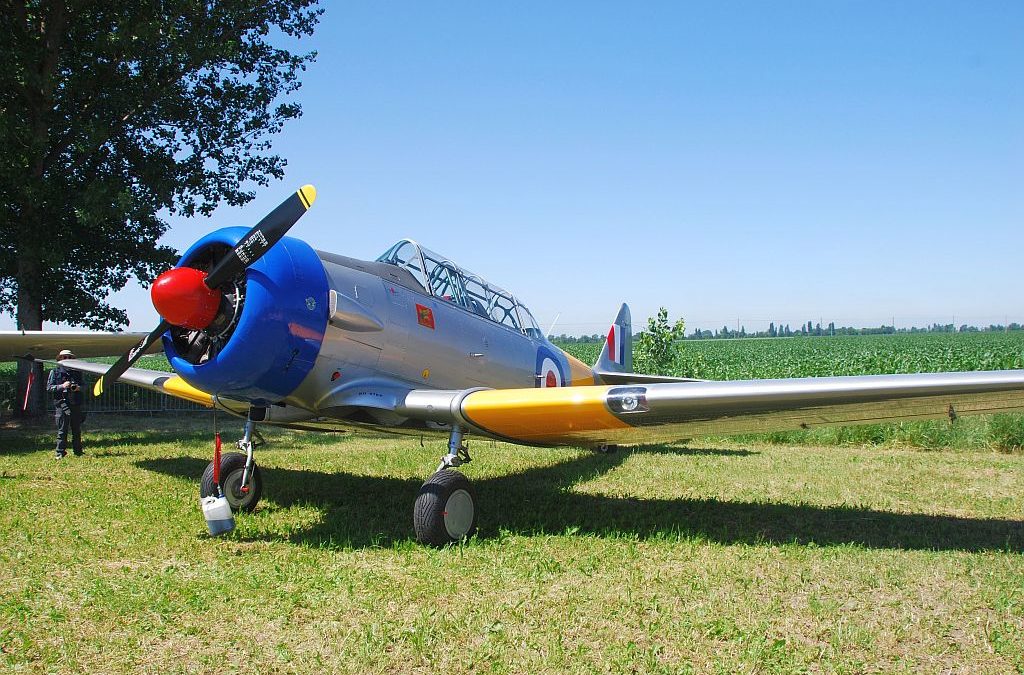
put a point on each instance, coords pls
(841, 355)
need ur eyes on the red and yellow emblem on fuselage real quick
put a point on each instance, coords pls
(425, 316)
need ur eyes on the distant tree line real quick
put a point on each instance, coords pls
(813, 329)
(596, 338)
(816, 329)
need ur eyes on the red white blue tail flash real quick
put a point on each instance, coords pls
(616, 347)
(617, 353)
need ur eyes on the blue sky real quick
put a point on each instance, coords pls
(848, 161)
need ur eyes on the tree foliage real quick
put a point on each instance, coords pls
(115, 113)
(655, 348)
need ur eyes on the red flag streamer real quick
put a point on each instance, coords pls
(28, 387)
(216, 460)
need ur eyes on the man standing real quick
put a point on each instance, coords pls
(66, 387)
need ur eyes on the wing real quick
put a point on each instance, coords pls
(154, 380)
(659, 412)
(173, 385)
(45, 344)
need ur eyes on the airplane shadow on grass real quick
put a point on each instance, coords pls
(377, 511)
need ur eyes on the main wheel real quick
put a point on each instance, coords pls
(445, 509)
(232, 465)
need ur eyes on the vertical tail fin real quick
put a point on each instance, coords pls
(617, 353)
(615, 365)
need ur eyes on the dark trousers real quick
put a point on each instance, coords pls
(69, 419)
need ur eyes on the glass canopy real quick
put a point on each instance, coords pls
(447, 281)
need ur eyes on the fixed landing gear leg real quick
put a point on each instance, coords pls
(458, 451)
(246, 446)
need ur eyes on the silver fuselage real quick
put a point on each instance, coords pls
(376, 348)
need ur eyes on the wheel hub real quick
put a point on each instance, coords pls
(232, 485)
(458, 514)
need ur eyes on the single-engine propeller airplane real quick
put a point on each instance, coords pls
(268, 329)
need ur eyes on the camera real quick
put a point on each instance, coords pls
(74, 387)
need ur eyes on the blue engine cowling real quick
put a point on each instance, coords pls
(279, 330)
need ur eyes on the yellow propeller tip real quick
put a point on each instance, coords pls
(307, 193)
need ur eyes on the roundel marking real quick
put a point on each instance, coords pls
(550, 375)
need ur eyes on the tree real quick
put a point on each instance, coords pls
(115, 112)
(655, 347)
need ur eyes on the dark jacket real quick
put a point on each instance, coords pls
(60, 375)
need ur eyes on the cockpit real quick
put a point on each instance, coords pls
(447, 281)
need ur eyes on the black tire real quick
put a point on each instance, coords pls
(232, 465)
(445, 510)
(606, 449)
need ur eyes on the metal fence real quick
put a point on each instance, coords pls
(121, 398)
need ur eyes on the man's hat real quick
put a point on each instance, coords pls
(67, 353)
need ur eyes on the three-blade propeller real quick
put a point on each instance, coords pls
(188, 298)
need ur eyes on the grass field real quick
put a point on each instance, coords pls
(704, 557)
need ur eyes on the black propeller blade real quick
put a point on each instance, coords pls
(260, 238)
(125, 362)
(249, 249)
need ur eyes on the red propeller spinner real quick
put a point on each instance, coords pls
(182, 298)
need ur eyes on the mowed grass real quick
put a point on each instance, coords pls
(700, 557)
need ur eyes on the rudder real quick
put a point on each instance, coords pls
(617, 352)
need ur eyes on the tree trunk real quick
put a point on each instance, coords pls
(39, 87)
(31, 400)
